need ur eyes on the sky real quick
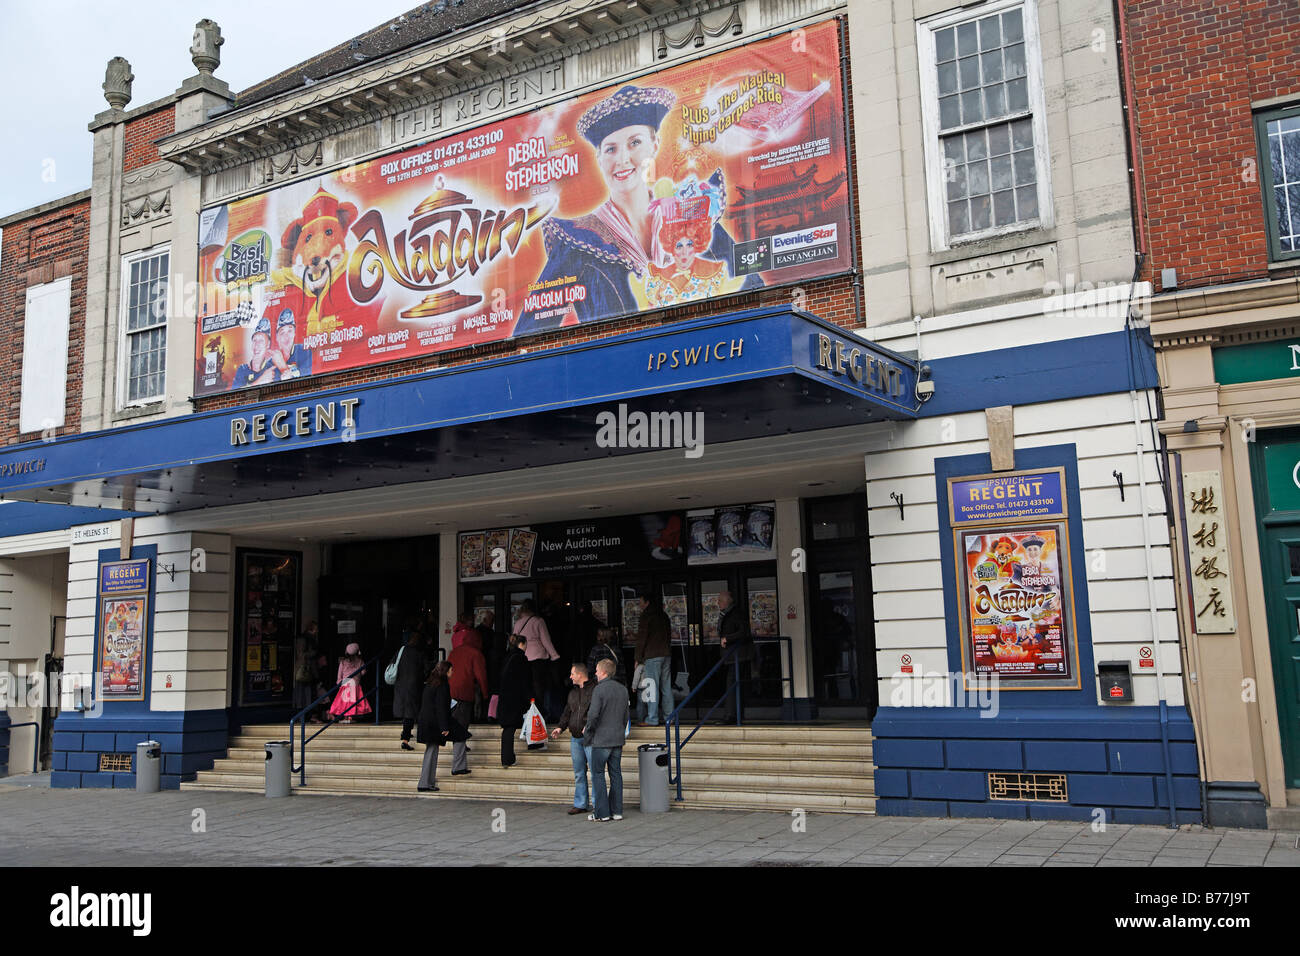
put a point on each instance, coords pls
(55, 51)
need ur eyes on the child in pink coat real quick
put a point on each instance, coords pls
(350, 693)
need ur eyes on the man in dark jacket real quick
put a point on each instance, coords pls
(605, 734)
(574, 718)
(516, 690)
(733, 628)
(654, 642)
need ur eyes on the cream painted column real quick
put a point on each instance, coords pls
(448, 585)
(792, 591)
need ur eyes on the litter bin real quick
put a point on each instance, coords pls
(148, 766)
(279, 764)
(652, 775)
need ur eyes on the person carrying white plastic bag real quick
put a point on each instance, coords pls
(533, 732)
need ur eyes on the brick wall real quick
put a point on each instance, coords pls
(46, 247)
(1196, 66)
(142, 133)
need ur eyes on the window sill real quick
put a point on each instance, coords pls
(143, 410)
(1292, 263)
(992, 245)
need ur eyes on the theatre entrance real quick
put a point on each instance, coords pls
(690, 599)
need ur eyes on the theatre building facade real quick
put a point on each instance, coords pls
(822, 305)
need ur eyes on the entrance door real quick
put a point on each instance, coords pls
(843, 665)
(1281, 552)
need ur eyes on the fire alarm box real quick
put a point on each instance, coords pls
(1116, 678)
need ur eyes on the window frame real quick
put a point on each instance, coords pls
(124, 334)
(1261, 119)
(935, 180)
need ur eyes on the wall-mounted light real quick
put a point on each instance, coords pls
(1119, 480)
(898, 497)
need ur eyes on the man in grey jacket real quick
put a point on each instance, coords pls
(605, 734)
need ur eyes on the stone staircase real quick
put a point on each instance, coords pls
(756, 767)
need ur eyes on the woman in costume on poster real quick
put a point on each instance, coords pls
(619, 240)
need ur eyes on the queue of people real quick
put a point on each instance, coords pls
(438, 700)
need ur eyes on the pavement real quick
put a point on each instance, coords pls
(40, 826)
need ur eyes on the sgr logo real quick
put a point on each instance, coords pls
(102, 910)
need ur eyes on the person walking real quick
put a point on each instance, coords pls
(412, 669)
(653, 650)
(436, 728)
(470, 673)
(538, 650)
(605, 732)
(574, 718)
(305, 649)
(604, 649)
(733, 628)
(494, 652)
(516, 682)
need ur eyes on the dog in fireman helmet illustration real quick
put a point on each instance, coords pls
(1002, 553)
(314, 250)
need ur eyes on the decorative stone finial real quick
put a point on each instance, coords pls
(117, 82)
(205, 51)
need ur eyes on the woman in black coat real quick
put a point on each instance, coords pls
(436, 727)
(516, 690)
(411, 672)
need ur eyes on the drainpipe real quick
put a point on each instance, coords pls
(851, 159)
(1151, 604)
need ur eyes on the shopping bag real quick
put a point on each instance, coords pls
(536, 727)
(492, 706)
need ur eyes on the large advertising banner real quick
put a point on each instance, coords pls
(717, 176)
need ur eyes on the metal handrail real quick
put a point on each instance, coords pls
(301, 716)
(673, 723)
(36, 744)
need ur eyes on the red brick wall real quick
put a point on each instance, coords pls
(39, 250)
(1195, 67)
(141, 135)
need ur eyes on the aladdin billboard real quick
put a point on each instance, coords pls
(718, 176)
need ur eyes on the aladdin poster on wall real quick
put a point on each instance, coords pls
(721, 175)
(121, 647)
(1017, 611)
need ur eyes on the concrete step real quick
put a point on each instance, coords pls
(739, 762)
(776, 733)
(471, 788)
(561, 775)
(757, 766)
(696, 748)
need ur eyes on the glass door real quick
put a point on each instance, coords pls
(843, 662)
(769, 654)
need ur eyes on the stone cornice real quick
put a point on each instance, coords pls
(420, 75)
(1209, 316)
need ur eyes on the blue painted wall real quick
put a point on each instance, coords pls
(190, 740)
(934, 761)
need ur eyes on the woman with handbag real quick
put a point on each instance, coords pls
(436, 728)
(539, 650)
(516, 683)
(412, 667)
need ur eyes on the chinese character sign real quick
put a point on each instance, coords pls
(726, 174)
(1205, 522)
(1015, 592)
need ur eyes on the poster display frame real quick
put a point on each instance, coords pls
(1057, 518)
(242, 612)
